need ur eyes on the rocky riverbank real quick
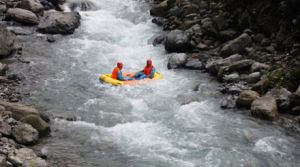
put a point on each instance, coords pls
(253, 49)
(22, 126)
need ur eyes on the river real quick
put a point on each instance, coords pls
(144, 125)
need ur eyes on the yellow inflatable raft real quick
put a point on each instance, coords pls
(108, 79)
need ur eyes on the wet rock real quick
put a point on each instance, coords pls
(7, 40)
(2, 108)
(228, 102)
(25, 134)
(177, 41)
(27, 158)
(233, 88)
(192, 63)
(59, 23)
(37, 123)
(261, 86)
(19, 111)
(186, 99)
(214, 66)
(295, 111)
(253, 77)
(264, 108)
(4, 80)
(237, 45)
(51, 39)
(22, 31)
(32, 5)
(177, 61)
(159, 21)
(159, 40)
(3, 69)
(66, 117)
(246, 98)
(22, 16)
(16, 77)
(85, 5)
(209, 28)
(282, 96)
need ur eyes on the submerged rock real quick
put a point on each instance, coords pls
(186, 99)
(22, 16)
(264, 108)
(59, 22)
(7, 41)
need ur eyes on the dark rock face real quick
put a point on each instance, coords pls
(237, 45)
(22, 16)
(177, 41)
(59, 23)
(264, 108)
(7, 40)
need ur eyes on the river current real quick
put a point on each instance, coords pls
(144, 125)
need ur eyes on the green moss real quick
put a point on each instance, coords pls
(279, 78)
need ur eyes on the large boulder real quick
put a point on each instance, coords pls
(246, 98)
(59, 22)
(7, 40)
(22, 16)
(177, 61)
(33, 5)
(282, 96)
(264, 108)
(37, 123)
(177, 41)
(237, 45)
(18, 110)
(27, 158)
(25, 134)
(160, 10)
(214, 66)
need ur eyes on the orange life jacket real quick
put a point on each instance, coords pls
(147, 71)
(114, 74)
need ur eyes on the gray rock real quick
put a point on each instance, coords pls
(59, 23)
(264, 108)
(240, 65)
(22, 31)
(177, 41)
(214, 66)
(19, 110)
(3, 69)
(25, 134)
(3, 161)
(186, 98)
(209, 28)
(7, 40)
(282, 96)
(33, 5)
(159, 40)
(5, 128)
(176, 61)
(2, 108)
(253, 77)
(192, 63)
(246, 98)
(237, 45)
(235, 77)
(27, 158)
(228, 102)
(256, 66)
(227, 35)
(37, 123)
(85, 5)
(22, 16)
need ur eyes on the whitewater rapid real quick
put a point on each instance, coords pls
(144, 125)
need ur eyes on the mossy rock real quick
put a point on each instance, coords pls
(37, 123)
(295, 110)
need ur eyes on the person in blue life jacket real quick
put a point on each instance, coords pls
(117, 73)
(148, 71)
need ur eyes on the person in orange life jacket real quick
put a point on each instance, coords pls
(148, 71)
(117, 73)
